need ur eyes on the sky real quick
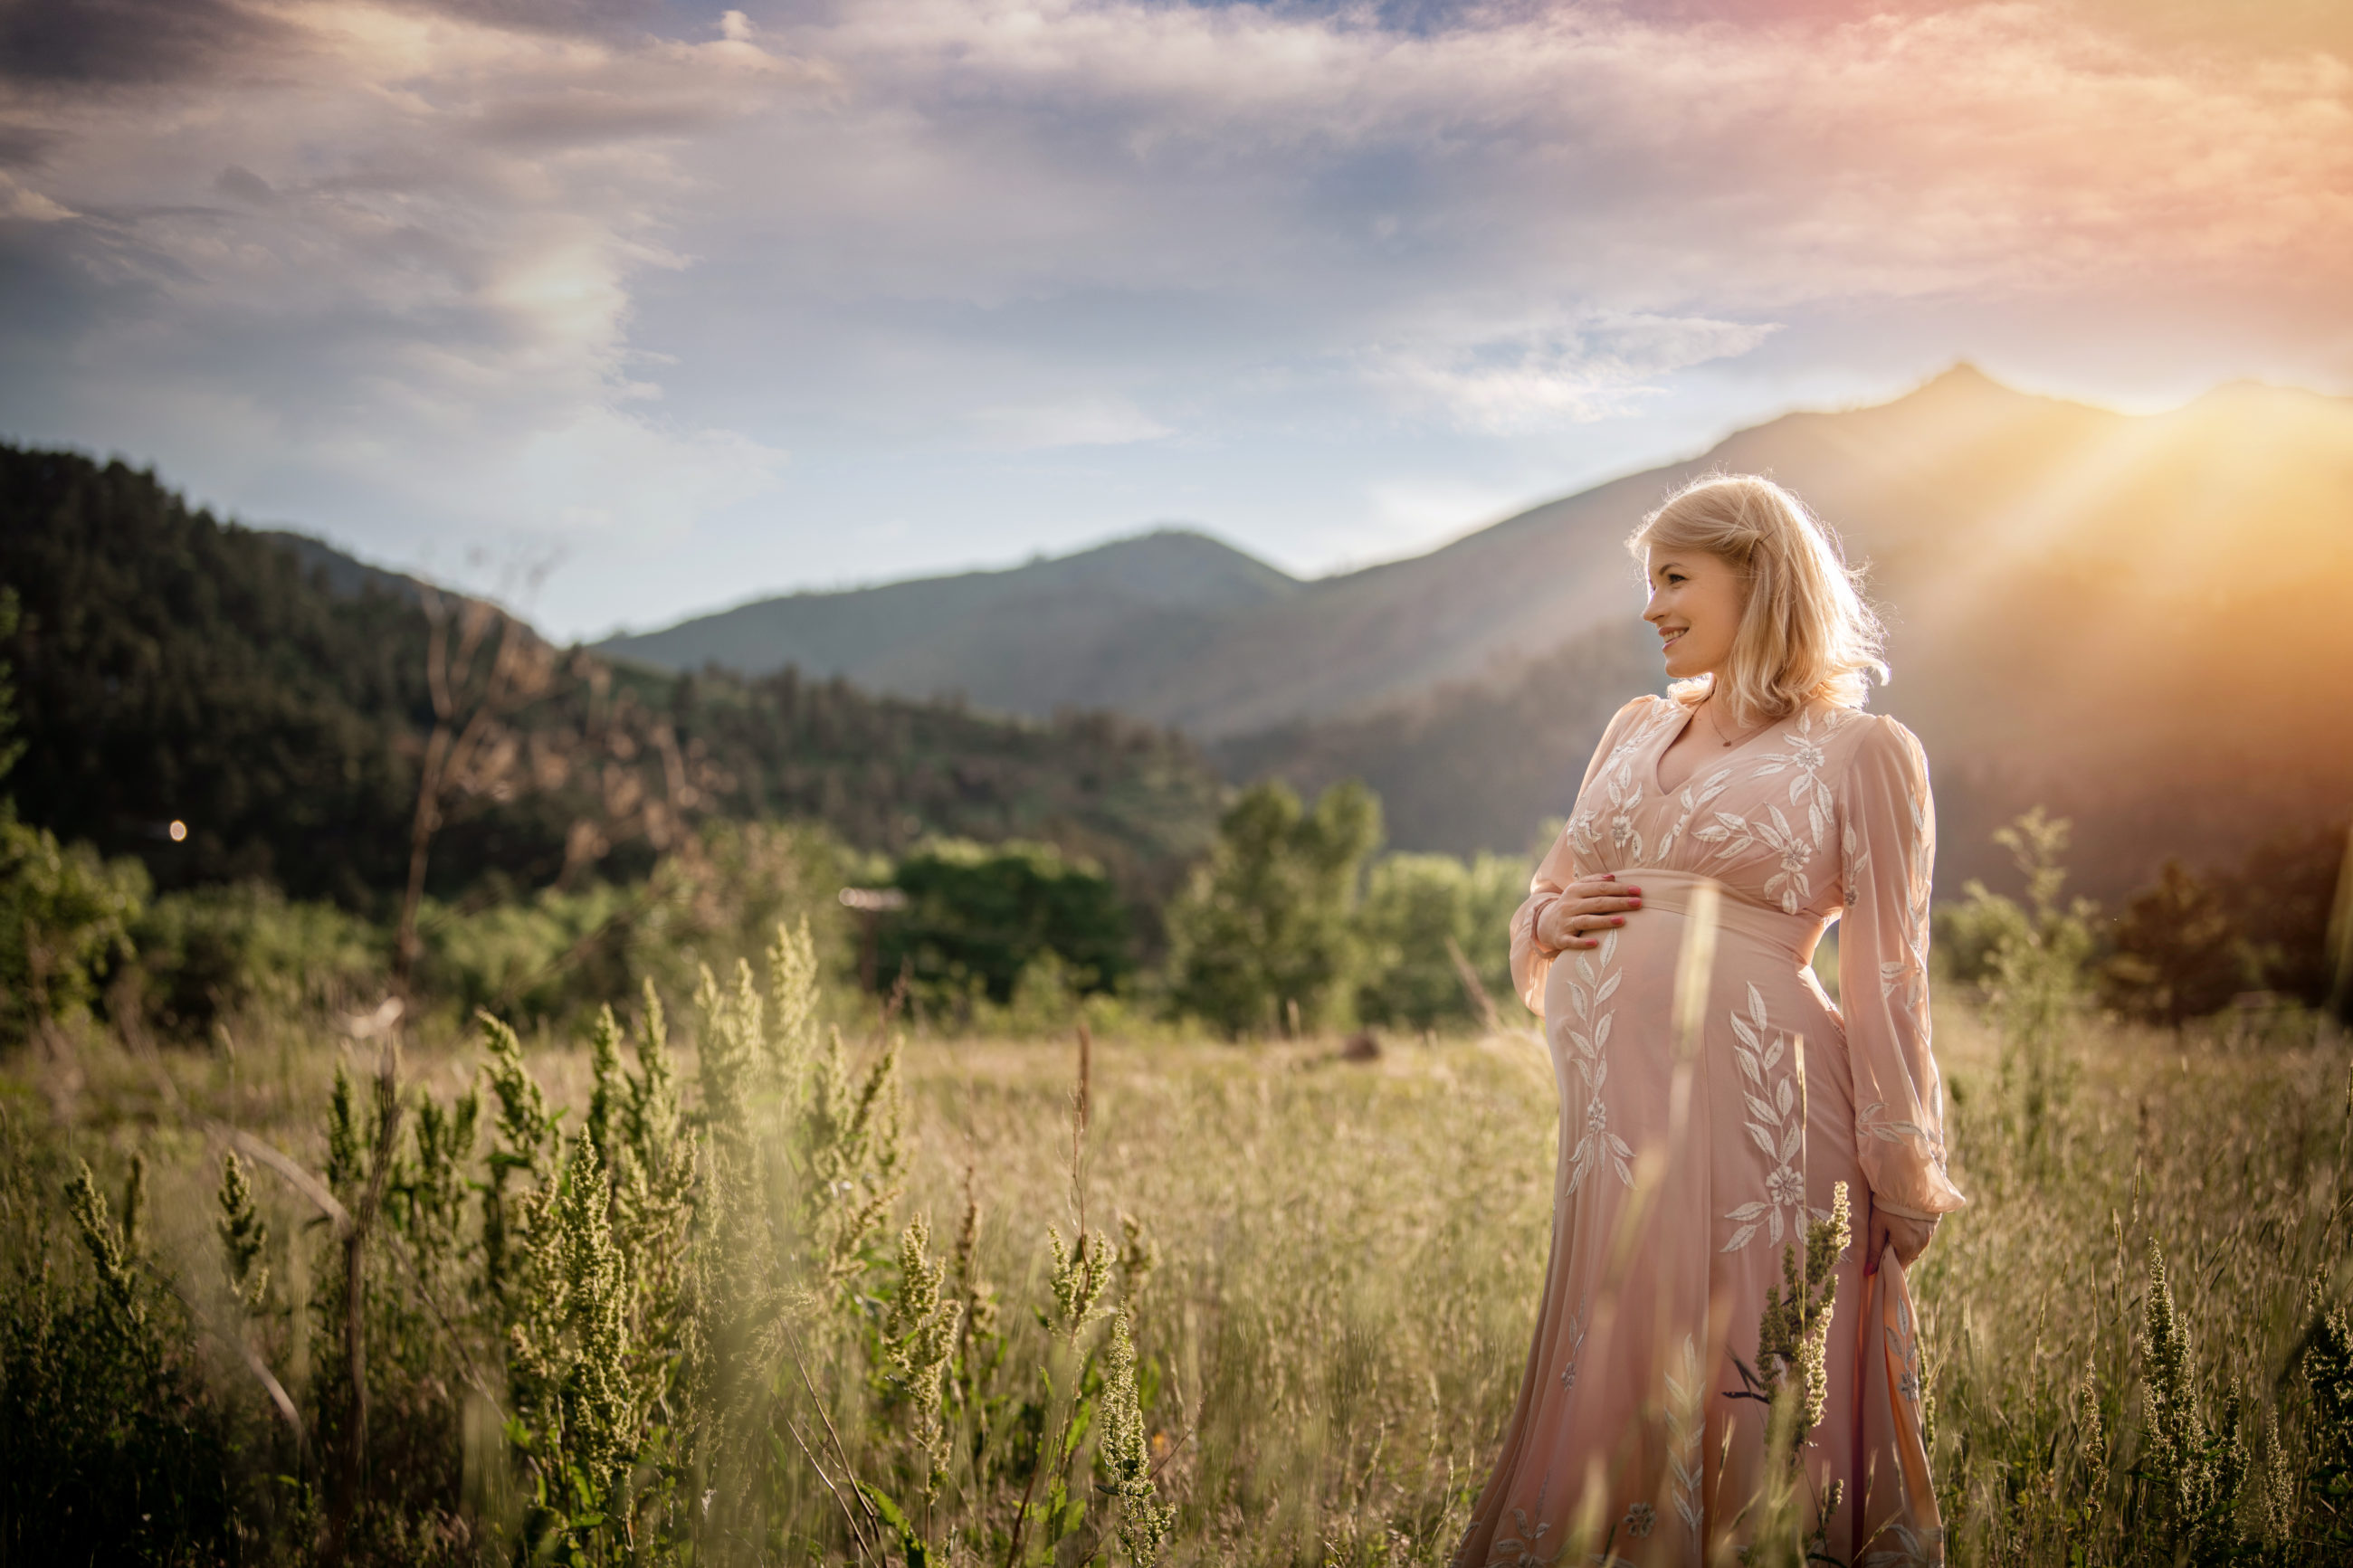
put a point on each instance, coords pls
(628, 309)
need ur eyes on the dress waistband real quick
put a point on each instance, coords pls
(1793, 935)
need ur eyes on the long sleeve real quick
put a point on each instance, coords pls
(1531, 964)
(1887, 851)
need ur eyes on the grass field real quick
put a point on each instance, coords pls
(1328, 1268)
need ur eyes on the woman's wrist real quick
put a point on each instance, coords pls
(1535, 922)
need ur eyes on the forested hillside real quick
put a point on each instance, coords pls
(1470, 765)
(173, 667)
(272, 697)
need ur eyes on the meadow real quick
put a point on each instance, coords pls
(839, 1293)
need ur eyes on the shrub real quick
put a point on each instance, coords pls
(111, 1446)
(540, 958)
(717, 900)
(977, 916)
(2030, 963)
(206, 953)
(695, 1331)
(64, 919)
(557, 955)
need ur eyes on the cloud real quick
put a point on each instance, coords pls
(1537, 377)
(21, 145)
(548, 16)
(91, 42)
(26, 205)
(373, 280)
(1582, 149)
(1073, 421)
(441, 267)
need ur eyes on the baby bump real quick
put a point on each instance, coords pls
(1758, 1014)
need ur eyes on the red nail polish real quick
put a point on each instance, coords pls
(1617, 920)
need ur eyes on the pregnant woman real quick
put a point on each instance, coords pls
(1690, 1156)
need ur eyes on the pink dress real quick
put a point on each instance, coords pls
(1682, 1180)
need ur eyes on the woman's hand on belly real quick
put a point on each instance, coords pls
(1584, 911)
(1909, 1237)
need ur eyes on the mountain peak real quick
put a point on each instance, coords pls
(1045, 626)
(1963, 372)
(1171, 565)
(1963, 379)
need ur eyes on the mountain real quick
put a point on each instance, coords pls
(1079, 631)
(2134, 619)
(269, 693)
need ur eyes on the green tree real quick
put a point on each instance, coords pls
(2177, 954)
(980, 914)
(2281, 900)
(1419, 913)
(64, 912)
(1267, 926)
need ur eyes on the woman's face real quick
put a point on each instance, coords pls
(1695, 602)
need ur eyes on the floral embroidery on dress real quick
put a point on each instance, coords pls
(1854, 859)
(1684, 1394)
(1576, 1349)
(1618, 787)
(1732, 834)
(1524, 1550)
(1907, 974)
(1776, 1126)
(1802, 758)
(1872, 1121)
(1639, 1520)
(1905, 1111)
(1588, 1039)
(1694, 795)
(1905, 1343)
(1910, 973)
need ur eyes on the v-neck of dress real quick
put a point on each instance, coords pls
(1691, 717)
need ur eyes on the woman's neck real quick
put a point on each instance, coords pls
(1727, 726)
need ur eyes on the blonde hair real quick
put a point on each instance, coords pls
(1805, 632)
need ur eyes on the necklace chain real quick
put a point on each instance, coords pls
(1713, 723)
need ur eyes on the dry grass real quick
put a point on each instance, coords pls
(1350, 1253)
